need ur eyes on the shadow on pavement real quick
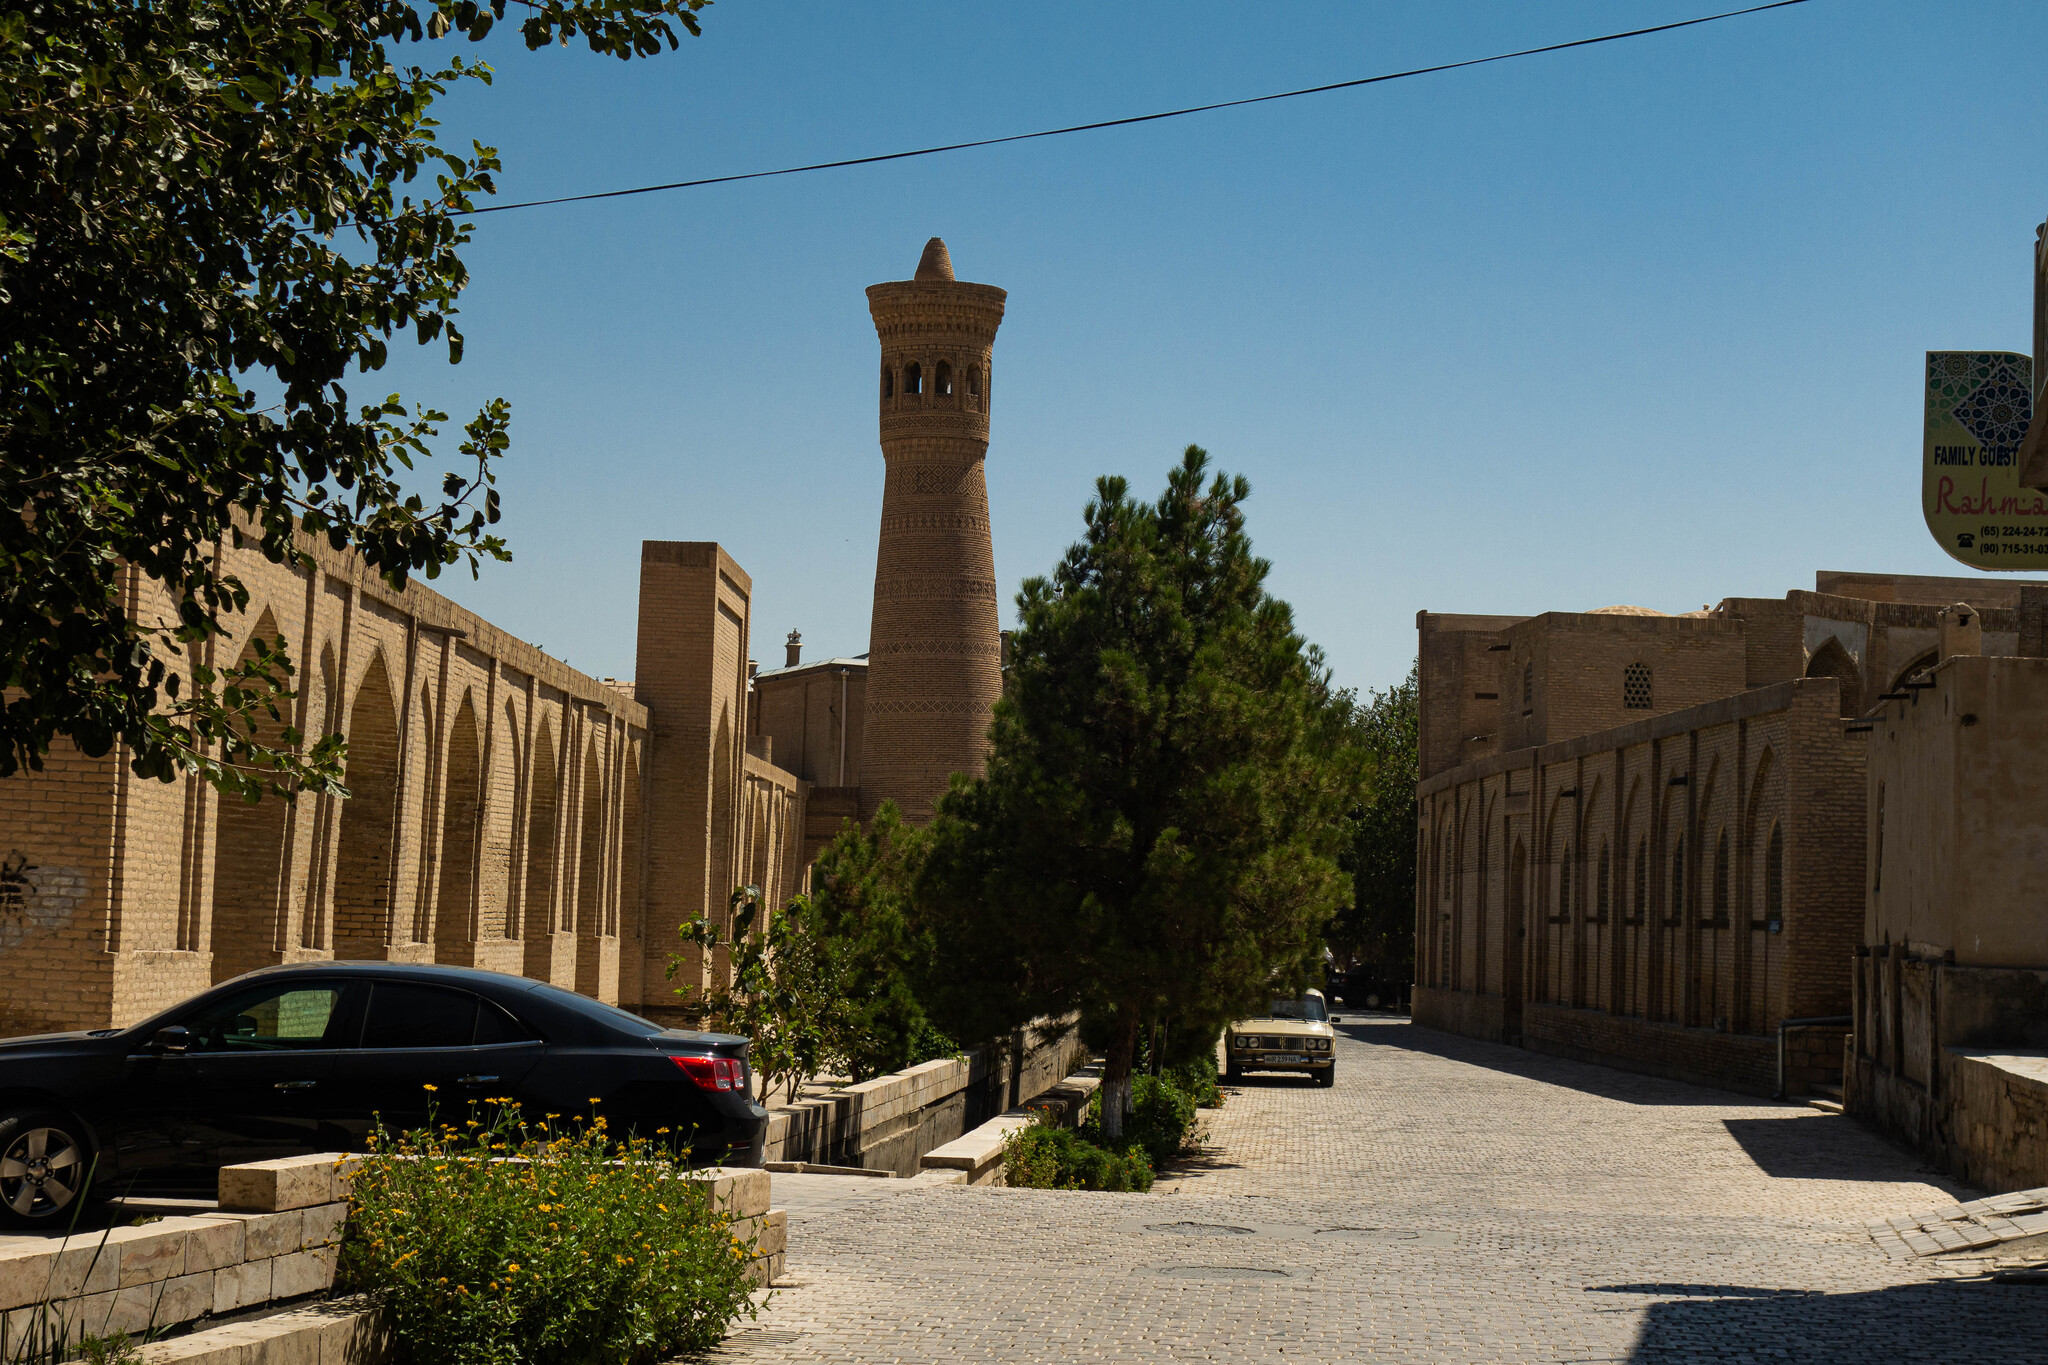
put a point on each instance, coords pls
(1629, 1087)
(1794, 1148)
(1985, 1324)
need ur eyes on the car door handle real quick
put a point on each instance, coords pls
(474, 1080)
(296, 1085)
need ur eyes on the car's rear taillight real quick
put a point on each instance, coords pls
(714, 1073)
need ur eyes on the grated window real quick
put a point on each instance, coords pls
(1601, 879)
(1635, 687)
(1528, 684)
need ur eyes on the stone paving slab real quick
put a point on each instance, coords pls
(1446, 1201)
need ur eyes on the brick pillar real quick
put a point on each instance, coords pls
(934, 653)
(691, 674)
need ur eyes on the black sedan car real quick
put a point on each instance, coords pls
(309, 1058)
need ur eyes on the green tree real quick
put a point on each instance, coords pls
(861, 888)
(1158, 830)
(201, 200)
(1379, 928)
(783, 994)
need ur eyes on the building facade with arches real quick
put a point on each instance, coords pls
(1641, 837)
(507, 811)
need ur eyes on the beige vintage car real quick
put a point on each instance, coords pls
(1294, 1035)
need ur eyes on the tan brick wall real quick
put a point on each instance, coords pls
(691, 672)
(134, 894)
(814, 718)
(1666, 938)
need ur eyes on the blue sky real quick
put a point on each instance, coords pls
(1640, 323)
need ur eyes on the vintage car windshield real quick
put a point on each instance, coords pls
(1308, 1007)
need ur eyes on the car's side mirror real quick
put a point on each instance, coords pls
(176, 1038)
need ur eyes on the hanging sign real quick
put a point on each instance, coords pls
(1978, 407)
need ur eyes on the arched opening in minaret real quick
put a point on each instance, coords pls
(942, 381)
(913, 380)
(973, 382)
(888, 382)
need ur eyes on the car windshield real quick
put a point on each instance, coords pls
(1308, 1007)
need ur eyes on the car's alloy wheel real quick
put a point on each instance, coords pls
(43, 1167)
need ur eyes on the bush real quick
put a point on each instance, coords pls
(1045, 1157)
(1196, 1078)
(505, 1244)
(1161, 1124)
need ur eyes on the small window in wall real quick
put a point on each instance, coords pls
(913, 379)
(888, 382)
(973, 382)
(942, 380)
(1564, 885)
(1600, 893)
(1678, 878)
(1774, 881)
(1528, 685)
(1635, 687)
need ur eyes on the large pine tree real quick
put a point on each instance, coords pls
(1157, 836)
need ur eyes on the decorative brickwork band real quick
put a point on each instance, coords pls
(934, 653)
(924, 587)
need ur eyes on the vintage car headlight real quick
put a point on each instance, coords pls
(1240, 1041)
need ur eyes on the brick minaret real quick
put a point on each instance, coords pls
(934, 665)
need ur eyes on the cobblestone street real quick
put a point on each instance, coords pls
(1447, 1201)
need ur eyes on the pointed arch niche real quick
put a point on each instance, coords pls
(537, 918)
(455, 929)
(362, 880)
(249, 859)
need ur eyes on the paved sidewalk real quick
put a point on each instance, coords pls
(1446, 1201)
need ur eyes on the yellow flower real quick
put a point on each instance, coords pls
(430, 1087)
(512, 1269)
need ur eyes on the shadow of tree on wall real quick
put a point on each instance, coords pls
(1986, 1324)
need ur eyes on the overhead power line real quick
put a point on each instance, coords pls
(1139, 118)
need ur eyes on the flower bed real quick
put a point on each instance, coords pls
(508, 1243)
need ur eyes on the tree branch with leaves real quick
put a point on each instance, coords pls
(210, 210)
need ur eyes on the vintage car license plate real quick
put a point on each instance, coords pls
(1288, 1057)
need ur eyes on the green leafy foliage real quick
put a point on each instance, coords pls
(1197, 1079)
(1047, 1157)
(862, 886)
(1378, 930)
(210, 210)
(1161, 1122)
(499, 1242)
(783, 992)
(1158, 832)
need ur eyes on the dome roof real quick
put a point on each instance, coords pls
(936, 263)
